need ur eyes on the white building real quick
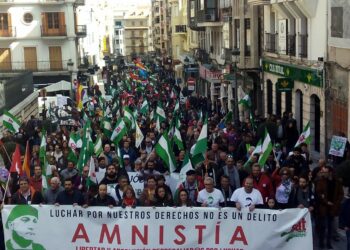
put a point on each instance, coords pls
(40, 36)
(295, 47)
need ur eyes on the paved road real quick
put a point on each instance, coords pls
(339, 245)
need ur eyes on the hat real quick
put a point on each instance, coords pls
(190, 172)
(126, 157)
(19, 211)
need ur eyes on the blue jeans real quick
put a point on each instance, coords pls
(348, 239)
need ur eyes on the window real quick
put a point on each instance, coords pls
(117, 41)
(53, 20)
(237, 34)
(141, 23)
(133, 23)
(133, 42)
(4, 24)
(118, 23)
(141, 33)
(337, 22)
(27, 17)
(247, 36)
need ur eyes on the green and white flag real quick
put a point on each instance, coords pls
(139, 136)
(158, 124)
(87, 148)
(144, 107)
(305, 136)
(160, 112)
(10, 122)
(45, 167)
(118, 132)
(92, 180)
(177, 136)
(165, 152)
(98, 146)
(244, 98)
(106, 126)
(75, 141)
(257, 150)
(266, 149)
(186, 166)
(200, 148)
(129, 117)
(177, 106)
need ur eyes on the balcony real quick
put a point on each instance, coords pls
(180, 29)
(9, 32)
(39, 66)
(48, 32)
(303, 46)
(258, 2)
(80, 30)
(208, 17)
(271, 41)
(80, 2)
(291, 45)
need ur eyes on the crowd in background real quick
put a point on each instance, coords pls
(229, 176)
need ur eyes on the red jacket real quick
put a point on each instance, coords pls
(265, 186)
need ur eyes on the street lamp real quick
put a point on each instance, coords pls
(235, 59)
(70, 67)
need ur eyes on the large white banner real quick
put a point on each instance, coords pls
(103, 228)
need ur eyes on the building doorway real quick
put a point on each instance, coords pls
(315, 121)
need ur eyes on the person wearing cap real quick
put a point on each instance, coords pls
(22, 222)
(126, 162)
(193, 184)
(26, 194)
(298, 162)
(127, 150)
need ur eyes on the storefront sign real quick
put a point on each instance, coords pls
(297, 73)
(211, 76)
(284, 85)
(103, 228)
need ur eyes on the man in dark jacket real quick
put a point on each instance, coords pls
(102, 198)
(344, 220)
(26, 194)
(302, 195)
(69, 196)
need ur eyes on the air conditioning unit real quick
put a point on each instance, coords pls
(210, 17)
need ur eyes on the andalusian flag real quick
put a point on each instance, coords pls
(144, 107)
(266, 149)
(160, 113)
(87, 148)
(305, 136)
(244, 98)
(118, 132)
(74, 141)
(165, 152)
(129, 117)
(139, 136)
(98, 146)
(10, 122)
(200, 148)
(177, 106)
(257, 150)
(228, 117)
(177, 135)
(92, 180)
(45, 167)
(186, 166)
(106, 126)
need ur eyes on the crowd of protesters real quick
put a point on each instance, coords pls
(228, 177)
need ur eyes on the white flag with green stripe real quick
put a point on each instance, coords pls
(98, 146)
(10, 122)
(160, 112)
(266, 149)
(144, 107)
(75, 141)
(165, 152)
(305, 136)
(139, 136)
(129, 117)
(186, 166)
(118, 132)
(199, 149)
(92, 173)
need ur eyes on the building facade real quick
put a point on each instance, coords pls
(295, 46)
(40, 36)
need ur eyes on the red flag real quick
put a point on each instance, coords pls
(26, 162)
(16, 166)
